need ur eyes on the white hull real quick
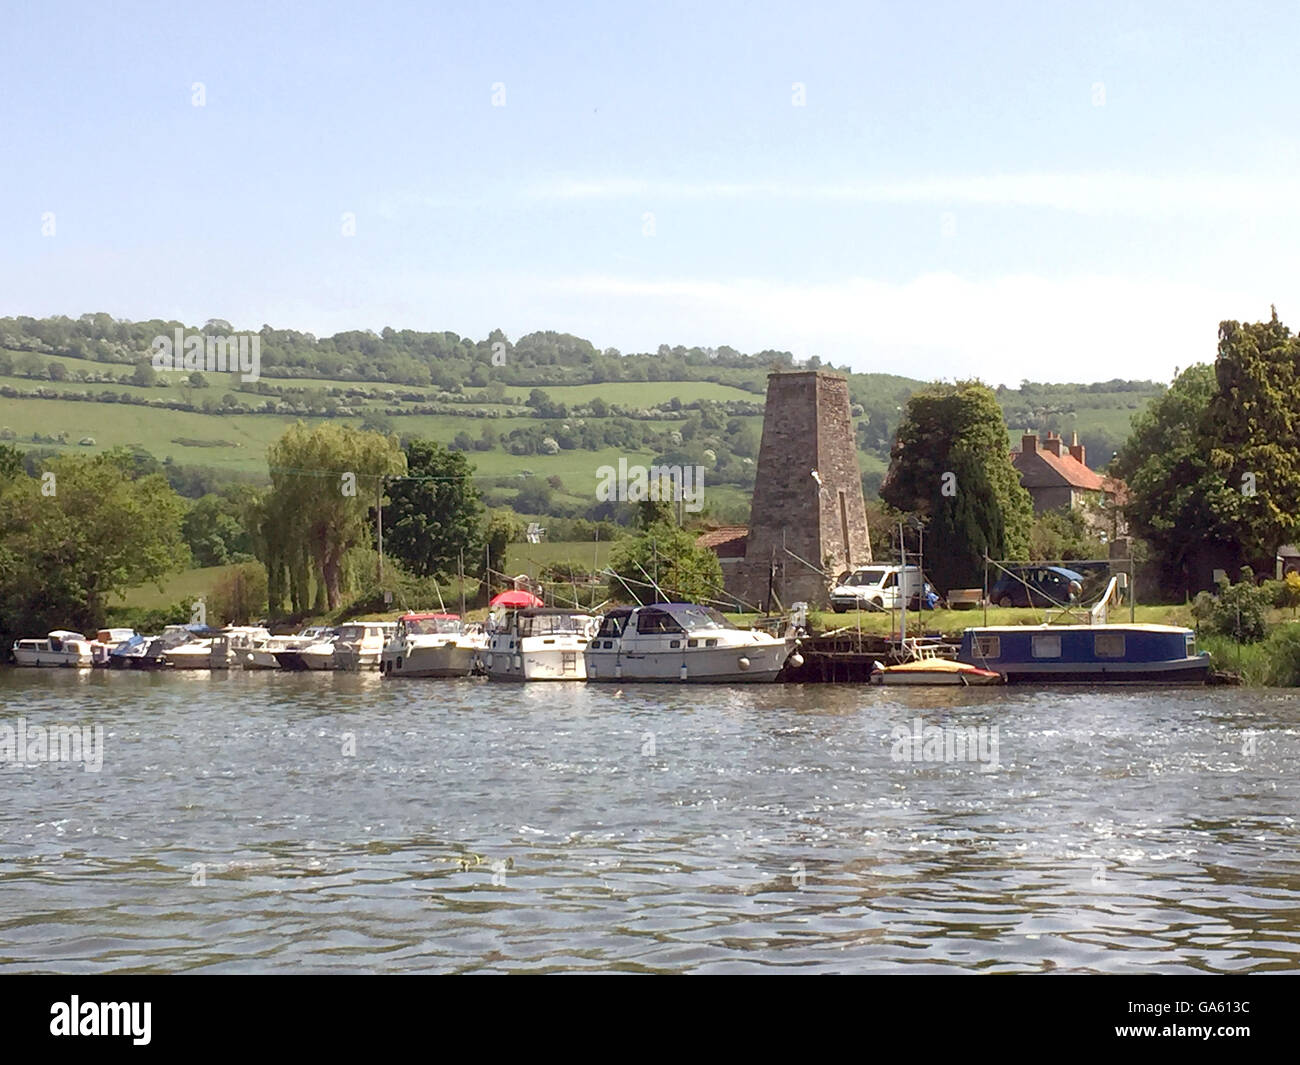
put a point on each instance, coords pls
(443, 660)
(54, 659)
(750, 663)
(318, 661)
(559, 658)
(260, 659)
(355, 661)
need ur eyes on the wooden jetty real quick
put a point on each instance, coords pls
(848, 656)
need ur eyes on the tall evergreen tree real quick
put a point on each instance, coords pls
(951, 466)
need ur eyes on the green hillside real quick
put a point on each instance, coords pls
(547, 406)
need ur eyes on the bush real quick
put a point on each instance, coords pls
(1238, 610)
(1282, 649)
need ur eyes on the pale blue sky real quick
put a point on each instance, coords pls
(1053, 191)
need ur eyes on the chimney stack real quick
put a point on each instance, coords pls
(1052, 444)
(1029, 443)
(1077, 451)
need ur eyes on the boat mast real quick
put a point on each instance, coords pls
(903, 588)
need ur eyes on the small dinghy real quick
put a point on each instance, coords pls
(938, 671)
(929, 668)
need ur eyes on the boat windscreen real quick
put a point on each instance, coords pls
(693, 618)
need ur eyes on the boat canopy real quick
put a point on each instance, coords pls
(679, 617)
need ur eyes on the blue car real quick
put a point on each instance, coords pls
(1040, 586)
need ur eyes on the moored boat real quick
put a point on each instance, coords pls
(361, 644)
(262, 655)
(676, 642)
(60, 648)
(1110, 653)
(317, 655)
(432, 645)
(930, 669)
(106, 641)
(540, 643)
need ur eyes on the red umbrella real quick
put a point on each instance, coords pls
(516, 599)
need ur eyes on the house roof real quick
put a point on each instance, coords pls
(1042, 469)
(727, 540)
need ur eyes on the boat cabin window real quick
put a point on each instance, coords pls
(549, 624)
(613, 625)
(653, 621)
(988, 646)
(1108, 645)
(430, 626)
(1046, 645)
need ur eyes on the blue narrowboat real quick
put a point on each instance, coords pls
(1087, 654)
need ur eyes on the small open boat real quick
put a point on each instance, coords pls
(934, 671)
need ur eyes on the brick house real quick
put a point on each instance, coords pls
(1057, 475)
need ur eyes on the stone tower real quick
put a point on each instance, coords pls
(807, 493)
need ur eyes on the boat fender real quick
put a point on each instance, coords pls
(683, 671)
(743, 662)
(795, 660)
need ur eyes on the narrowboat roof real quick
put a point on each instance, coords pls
(1115, 627)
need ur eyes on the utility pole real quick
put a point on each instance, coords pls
(460, 576)
(379, 511)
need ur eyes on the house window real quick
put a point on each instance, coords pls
(1108, 645)
(1046, 645)
(988, 646)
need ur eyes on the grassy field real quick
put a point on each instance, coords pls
(185, 586)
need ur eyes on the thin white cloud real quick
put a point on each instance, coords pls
(935, 326)
(1101, 193)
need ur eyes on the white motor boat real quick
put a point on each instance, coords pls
(106, 641)
(193, 654)
(683, 642)
(433, 645)
(317, 655)
(262, 655)
(361, 644)
(60, 648)
(231, 646)
(540, 643)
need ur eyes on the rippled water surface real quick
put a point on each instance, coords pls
(331, 822)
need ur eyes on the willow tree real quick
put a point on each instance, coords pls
(324, 482)
(951, 466)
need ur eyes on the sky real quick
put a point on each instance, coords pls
(1053, 192)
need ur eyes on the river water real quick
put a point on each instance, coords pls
(254, 822)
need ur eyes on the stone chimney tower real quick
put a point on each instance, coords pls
(808, 509)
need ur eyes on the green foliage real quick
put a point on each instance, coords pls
(239, 597)
(951, 466)
(1062, 535)
(69, 544)
(1287, 592)
(666, 556)
(1237, 610)
(214, 529)
(429, 523)
(324, 483)
(1213, 462)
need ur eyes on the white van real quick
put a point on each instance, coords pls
(876, 588)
